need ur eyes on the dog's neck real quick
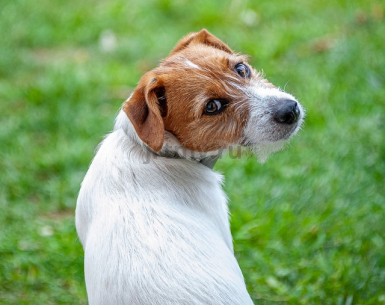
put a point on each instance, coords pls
(171, 149)
(206, 161)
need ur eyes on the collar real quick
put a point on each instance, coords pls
(208, 161)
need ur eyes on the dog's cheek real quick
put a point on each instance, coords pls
(209, 134)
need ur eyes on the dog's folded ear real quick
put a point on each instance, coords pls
(202, 37)
(144, 112)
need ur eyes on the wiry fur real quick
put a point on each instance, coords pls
(149, 234)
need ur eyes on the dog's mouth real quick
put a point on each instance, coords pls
(271, 139)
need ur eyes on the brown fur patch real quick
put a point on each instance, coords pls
(203, 37)
(200, 68)
(143, 111)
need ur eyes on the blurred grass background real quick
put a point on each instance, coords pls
(308, 225)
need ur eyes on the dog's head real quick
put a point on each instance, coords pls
(210, 98)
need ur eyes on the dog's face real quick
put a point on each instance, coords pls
(210, 98)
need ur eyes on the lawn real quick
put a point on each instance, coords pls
(308, 225)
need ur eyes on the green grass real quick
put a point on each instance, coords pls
(308, 225)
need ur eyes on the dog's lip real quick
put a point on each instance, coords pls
(284, 136)
(293, 130)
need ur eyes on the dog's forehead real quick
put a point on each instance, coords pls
(204, 57)
(200, 67)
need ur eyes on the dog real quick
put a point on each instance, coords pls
(151, 214)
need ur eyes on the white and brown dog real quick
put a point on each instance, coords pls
(156, 230)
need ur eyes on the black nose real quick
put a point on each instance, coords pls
(287, 112)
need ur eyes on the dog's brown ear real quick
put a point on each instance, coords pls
(144, 113)
(203, 37)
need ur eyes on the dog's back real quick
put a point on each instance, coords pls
(149, 233)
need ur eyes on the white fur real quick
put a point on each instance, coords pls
(191, 64)
(155, 233)
(265, 135)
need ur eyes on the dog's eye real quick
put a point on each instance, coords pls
(215, 106)
(242, 70)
